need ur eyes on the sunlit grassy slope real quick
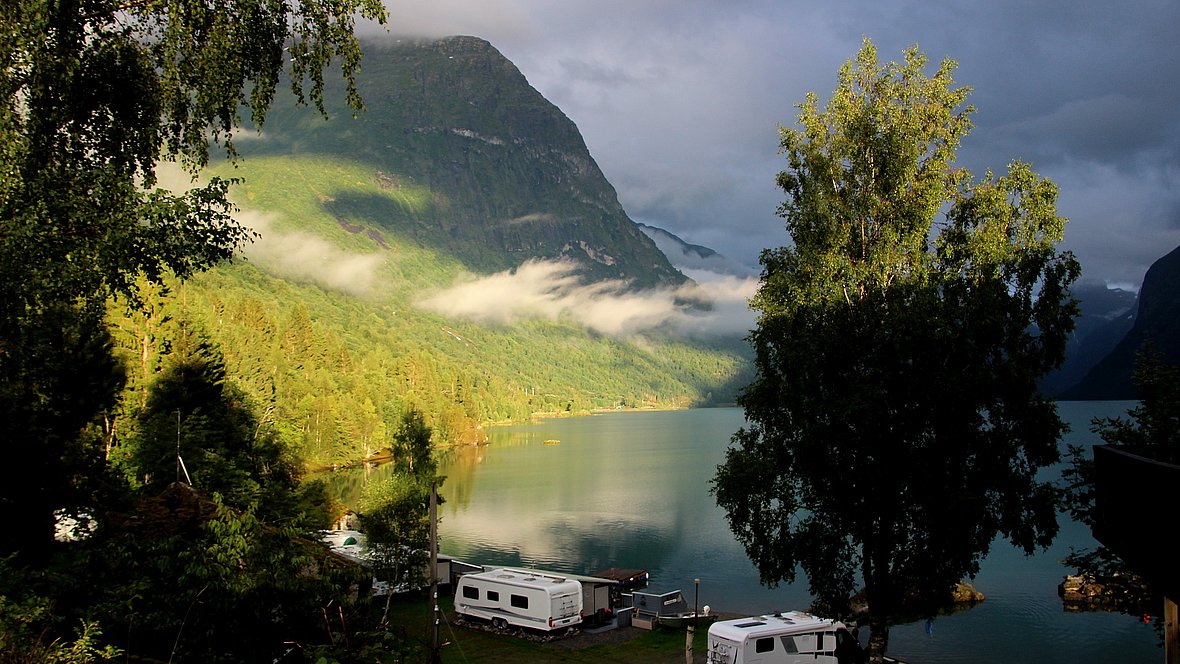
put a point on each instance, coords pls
(465, 174)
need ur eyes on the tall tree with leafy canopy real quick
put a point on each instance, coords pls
(199, 428)
(895, 424)
(395, 511)
(94, 94)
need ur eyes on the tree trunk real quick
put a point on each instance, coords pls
(878, 639)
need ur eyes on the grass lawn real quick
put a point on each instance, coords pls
(464, 644)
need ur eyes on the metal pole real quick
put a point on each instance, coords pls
(435, 654)
(692, 629)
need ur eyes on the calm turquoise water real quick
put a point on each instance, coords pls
(631, 490)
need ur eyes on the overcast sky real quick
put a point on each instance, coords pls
(679, 101)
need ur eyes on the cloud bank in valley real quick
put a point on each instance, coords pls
(293, 255)
(551, 290)
(304, 257)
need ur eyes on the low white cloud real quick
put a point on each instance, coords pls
(551, 290)
(441, 18)
(293, 255)
(305, 257)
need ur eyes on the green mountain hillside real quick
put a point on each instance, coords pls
(469, 160)
(336, 323)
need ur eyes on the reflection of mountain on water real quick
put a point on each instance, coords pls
(621, 490)
(573, 542)
(459, 465)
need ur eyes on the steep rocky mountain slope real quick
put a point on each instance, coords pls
(1156, 326)
(459, 184)
(494, 174)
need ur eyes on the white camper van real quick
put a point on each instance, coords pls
(523, 598)
(781, 638)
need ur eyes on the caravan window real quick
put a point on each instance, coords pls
(493, 596)
(470, 592)
(789, 645)
(519, 601)
(764, 645)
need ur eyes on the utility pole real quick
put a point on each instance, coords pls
(435, 650)
(691, 632)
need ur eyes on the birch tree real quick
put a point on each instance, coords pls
(895, 427)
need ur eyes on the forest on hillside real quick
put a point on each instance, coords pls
(179, 346)
(332, 374)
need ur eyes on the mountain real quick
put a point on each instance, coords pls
(496, 173)
(686, 256)
(453, 249)
(1156, 326)
(1105, 318)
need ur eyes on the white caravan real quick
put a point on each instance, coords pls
(781, 638)
(524, 598)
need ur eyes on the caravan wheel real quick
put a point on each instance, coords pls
(499, 623)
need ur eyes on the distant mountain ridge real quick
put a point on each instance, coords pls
(1156, 324)
(1106, 316)
(505, 175)
(689, 256)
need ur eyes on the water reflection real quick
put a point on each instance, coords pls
(631, 490)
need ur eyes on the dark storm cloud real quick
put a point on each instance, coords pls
(679, 101)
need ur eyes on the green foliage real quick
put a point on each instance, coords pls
(93, 96)
(395, 521)
(333, 372)
(31, 633)
(395, 513)
(1151, 429)
(57, 377)
(186, 578)
(895, 422)
(412, 451)
(196, 427)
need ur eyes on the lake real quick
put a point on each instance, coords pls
(631, 489)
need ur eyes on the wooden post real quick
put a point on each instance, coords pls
(1171, 633)
(688, 636)
(696, 601)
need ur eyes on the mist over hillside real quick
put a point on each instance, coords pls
(455, 250)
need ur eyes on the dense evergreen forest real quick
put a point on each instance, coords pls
(333, 373)
(333, 370)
